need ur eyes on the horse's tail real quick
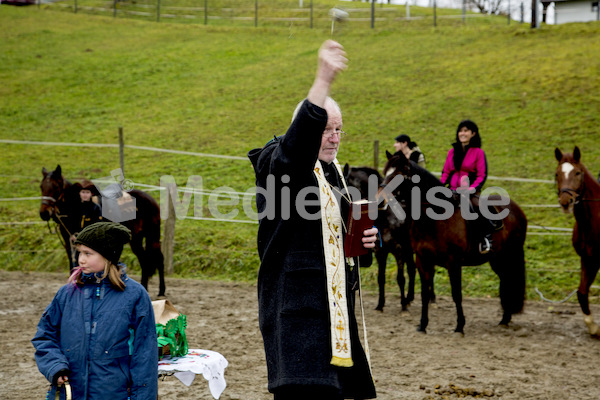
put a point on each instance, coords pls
(148, 217)
(510, 262)
(512, 293)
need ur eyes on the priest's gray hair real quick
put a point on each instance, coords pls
(328, 99)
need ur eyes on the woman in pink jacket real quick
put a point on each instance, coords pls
(466, 167)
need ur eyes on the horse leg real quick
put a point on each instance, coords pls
(68, 248)
(401, 280)
(400, 277)
(156, 256)
(411, 270)
(407, 255)
(431, 291)
(381, 256)
(137, 247)
(426, 276)
(588, 274)
(455, 274)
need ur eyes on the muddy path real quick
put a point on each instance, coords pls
(545, 354)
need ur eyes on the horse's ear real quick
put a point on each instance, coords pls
(346, 169)
(44, 172)
(57, 173)
(576, 154)
(388, 154)
(558, 154)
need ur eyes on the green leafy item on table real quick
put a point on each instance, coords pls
(173, 335)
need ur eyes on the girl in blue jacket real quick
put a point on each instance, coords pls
(99, 331)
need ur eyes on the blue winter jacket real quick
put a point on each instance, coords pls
(105, 337)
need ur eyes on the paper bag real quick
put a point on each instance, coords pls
(170, 329)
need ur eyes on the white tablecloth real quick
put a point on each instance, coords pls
(208, 363)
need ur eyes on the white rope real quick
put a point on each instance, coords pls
(555, 301)
(548, 233)
(23, 223)
(39, 198)
(112, 145)
(241, 221)
(550, 228)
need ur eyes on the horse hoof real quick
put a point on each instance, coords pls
(593, 328)
(422, 330)
(459, 333)
(379, 308)
(161, 297)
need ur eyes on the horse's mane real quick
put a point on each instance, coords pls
(367, 170)
(428, 180)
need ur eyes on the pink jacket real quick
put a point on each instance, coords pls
(473, 170)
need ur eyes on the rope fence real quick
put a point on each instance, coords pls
(221, 193)
(263, 13)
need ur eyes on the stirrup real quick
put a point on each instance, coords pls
(485, 246)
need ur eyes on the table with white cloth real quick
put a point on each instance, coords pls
(208, 363)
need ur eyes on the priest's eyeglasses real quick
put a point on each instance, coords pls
(330, 132)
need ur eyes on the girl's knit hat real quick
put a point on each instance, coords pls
(107, 238)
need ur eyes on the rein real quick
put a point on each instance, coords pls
(51, 202)
(575, 194)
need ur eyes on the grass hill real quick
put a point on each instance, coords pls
(224, 89)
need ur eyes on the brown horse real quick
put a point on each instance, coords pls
(394, 237)
(447, 240)
(579, 193)
(60, 202)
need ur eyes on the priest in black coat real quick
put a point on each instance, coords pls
(306, 287)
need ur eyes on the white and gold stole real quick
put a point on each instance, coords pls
(335, 268)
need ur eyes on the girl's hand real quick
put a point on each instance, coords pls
(370, 238)
(62, 379)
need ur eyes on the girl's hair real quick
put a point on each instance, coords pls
(472, 126)
(406, 139)
(110, 270)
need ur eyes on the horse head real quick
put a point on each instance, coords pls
(52, 186)
(362, 178)
(569, 178)
(396, 170)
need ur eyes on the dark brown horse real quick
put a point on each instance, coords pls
(579, 193)
(60, 202)
(441, 236)
(395, 240)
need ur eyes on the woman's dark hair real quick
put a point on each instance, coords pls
(406, 139)
(472, 126)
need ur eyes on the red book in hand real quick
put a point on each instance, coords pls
(358, 222)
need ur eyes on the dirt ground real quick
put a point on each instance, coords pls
(546, 352)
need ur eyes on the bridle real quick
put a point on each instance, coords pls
(577, 196)
(571, 192)
(52, 203)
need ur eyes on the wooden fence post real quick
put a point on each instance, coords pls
(376, 154)
(372, 14)
(168, 242)
(121, 151)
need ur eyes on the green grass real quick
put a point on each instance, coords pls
(227, 87)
